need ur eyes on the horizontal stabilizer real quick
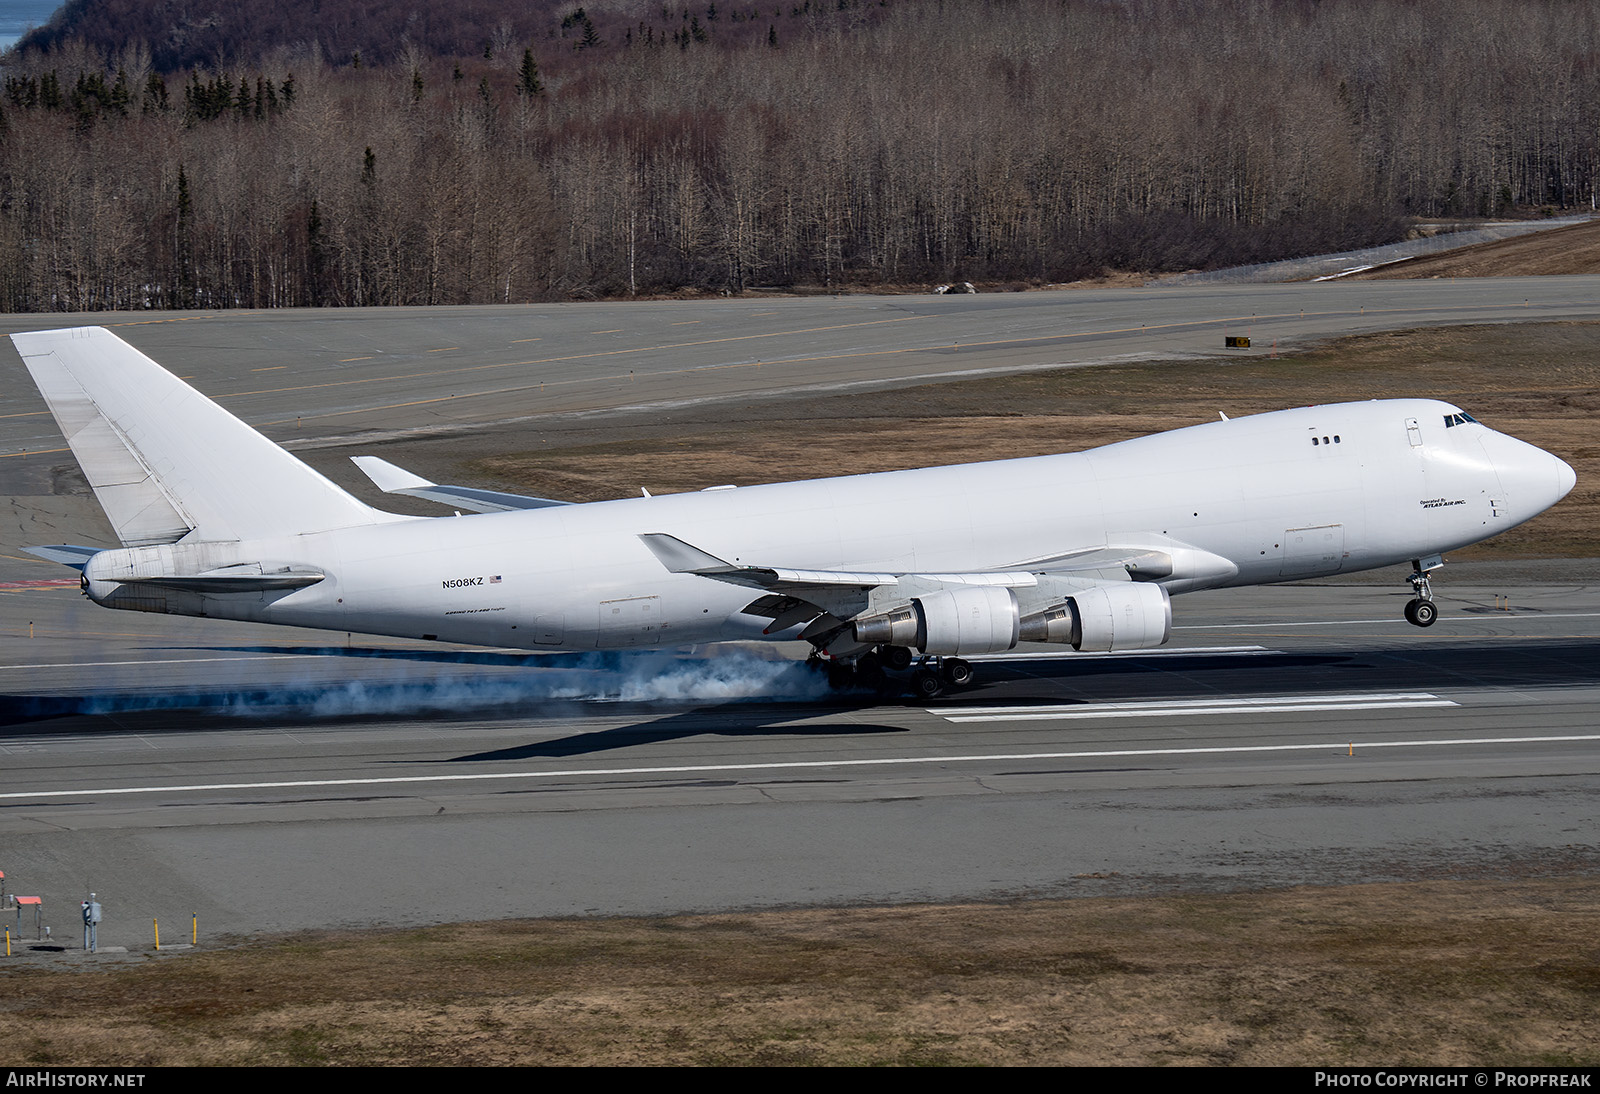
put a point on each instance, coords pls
(165, 462)
(68, 554)
(216, 584)
(397, 480)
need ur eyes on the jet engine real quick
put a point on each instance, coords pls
(952, 622)
(1132, 616)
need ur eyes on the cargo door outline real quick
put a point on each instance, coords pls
(630, 621)
(1315, 550)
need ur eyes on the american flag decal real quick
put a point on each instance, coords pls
(494, 580)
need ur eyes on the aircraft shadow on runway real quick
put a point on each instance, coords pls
(583, 682)
(730, 720)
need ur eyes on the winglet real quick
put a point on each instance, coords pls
(681, 558)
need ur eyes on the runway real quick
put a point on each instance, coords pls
(316, 378)
(1290, 735)
(266, 779)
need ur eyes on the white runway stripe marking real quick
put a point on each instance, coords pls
(153, 661)
(1174, 708)
(1074, 655)
(1335, 747)
(1365, 622)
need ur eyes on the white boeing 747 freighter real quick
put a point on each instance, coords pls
(901, 570)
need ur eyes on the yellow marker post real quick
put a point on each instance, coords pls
(194, 934)
(8, 941)
(1352, 748)
(157, 922)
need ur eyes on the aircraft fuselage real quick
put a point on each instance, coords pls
(1292, 494)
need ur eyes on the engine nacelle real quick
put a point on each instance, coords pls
(952, 622)
(1132, 616)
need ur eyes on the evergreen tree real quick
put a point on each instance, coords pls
(316, 257)
(120, 95)
(528, 82)
(155, 95)
(182, 274)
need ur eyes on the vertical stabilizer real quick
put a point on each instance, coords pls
(165, 462)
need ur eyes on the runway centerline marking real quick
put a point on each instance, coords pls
(792, 765)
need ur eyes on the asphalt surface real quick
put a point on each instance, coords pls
(266, 779)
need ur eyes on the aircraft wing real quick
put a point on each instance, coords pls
(1099, 598)
(397, 480)
(1085, 568)
(683, 558)
(828, 600)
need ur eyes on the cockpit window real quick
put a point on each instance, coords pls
(1458, 419)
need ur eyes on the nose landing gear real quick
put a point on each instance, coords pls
(1421, 610)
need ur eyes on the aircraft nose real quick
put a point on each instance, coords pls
(1534, 479)
(1566, 477)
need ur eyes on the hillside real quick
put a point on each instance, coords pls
(319, 154)
(221, 34)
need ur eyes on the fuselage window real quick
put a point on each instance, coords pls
(1336, 438)
(1314, 441)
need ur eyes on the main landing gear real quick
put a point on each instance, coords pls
(885, 668)
(1421, 610)
(934, 674)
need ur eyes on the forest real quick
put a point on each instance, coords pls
(645, 148)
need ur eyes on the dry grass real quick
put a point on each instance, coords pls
(1423, 973)
(1573, 250)
(1540, 382)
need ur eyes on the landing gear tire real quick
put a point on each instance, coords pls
(956, 672)
(869, 672)
(1421, 613)
(926, 684)
(897, 658)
